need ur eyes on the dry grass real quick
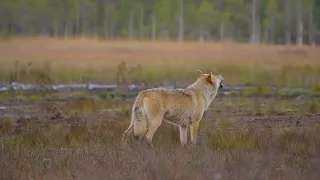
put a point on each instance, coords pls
(83, 145)
(93, 150)
(71, 60)
(84, 50)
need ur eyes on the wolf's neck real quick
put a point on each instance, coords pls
(208, 93)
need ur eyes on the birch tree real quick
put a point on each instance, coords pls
(181, 21)
(299, 36)
(255, 22)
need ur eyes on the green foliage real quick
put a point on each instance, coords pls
(233, 141)
(313, 107)
(205, 14)
(7, 122)
(125, 18)
(316, 90)
(287, 92)
(36, 98)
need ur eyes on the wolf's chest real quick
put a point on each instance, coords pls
(179, 116)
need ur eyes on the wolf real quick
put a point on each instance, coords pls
(180, 107)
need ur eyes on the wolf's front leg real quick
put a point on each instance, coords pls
(183, 134)
(194, 131)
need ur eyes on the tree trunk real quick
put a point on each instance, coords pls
(78, 17)
(266, 35)
(153, 31)
(288, 18)
(112, 34)
(253, 22)
(258, 24)
(95, 30)
(131, 23)
(20, 23)
(272, 30)
(311, 28)
(55, 28)
(141, 23)
(105, 26)
(299, 23)
(222, 31)
(316, 35)
(181, 22)
(255, 29)
(66, 29)
(83, 23)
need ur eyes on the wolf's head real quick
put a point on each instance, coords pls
(214, 80)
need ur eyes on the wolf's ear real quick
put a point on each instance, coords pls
(221, 76)
(199, 73)
(209, 79)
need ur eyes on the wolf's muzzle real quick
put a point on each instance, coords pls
(221, 85)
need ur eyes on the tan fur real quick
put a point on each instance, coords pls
(180, 107)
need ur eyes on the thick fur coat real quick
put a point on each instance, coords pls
(180, 107)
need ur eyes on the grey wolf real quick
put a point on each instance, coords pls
(181, 107)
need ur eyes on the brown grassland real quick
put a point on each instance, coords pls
(72, 60)
(252, 134)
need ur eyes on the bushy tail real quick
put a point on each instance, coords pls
(139, 124)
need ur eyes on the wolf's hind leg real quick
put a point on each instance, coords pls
(153, 125)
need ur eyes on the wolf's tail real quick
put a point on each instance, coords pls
(139, 123)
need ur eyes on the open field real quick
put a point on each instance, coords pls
(76, 135)
(249, 133)
(80, 60)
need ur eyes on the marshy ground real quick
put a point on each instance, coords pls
(76, 134)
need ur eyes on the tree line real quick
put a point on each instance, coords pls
(255, 21)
